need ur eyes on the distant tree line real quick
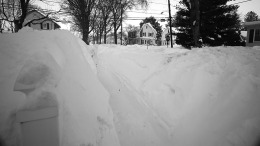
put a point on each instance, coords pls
(98, 17)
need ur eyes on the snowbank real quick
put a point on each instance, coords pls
(160, 96)
(58, 69)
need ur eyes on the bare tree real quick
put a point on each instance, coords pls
(131, 28)
(118, 12)
(10, 11)
(119, 9)
(1, 26)
(83, 13)
(14, 12)
(105, 15)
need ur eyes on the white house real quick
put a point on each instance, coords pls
(147, 35)
(41, 24)
(166, 32)
(253, 33)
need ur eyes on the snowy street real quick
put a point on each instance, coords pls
(113, 95)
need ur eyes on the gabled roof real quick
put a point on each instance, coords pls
(36, 12)
(150, 25)
(251, 23)
(46, 19)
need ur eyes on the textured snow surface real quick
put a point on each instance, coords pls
(85, 117)
(203, 97)
(131, 95)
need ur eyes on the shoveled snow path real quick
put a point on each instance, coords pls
(135, 121)
(162, 96)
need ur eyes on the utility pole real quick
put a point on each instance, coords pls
(169, 7)
(121, 22)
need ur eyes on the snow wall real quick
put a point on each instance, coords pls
(203, 97)
(85, 117)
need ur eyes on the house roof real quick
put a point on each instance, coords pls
(46, 19)
(150, 25)
(251, 23)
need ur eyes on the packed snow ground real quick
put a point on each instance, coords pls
(130, 95)
(203, 97)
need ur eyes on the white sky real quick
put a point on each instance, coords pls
(157, 6)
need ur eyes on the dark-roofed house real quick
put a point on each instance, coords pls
(38, 23)
(253, 33)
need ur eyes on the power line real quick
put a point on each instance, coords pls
(144, 12)
(241, 2)
(158, 3)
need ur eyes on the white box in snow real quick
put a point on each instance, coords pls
(39, 127)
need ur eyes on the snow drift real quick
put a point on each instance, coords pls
(160, 96)
(58, 68)
(155, 96)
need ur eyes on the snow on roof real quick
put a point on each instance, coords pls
(244, 33)
(251, 23)
(45, 19)
(150, 25)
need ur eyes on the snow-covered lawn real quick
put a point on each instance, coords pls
(112, 95)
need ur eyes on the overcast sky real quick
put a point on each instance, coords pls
(156, 7)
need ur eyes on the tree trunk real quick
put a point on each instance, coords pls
(105, 32)
(97, 39)
(105, 37)
(195, 18)
(19, 23)
(85, 33)
(100, 36)
(85, 37)
(115, 33)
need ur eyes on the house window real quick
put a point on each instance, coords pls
(46, 26)
(257, 35)
(146, 26)
(144, 41)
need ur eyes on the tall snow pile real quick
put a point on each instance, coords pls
(59, 69)
(203, 97)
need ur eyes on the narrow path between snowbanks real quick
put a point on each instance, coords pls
(160, 96)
